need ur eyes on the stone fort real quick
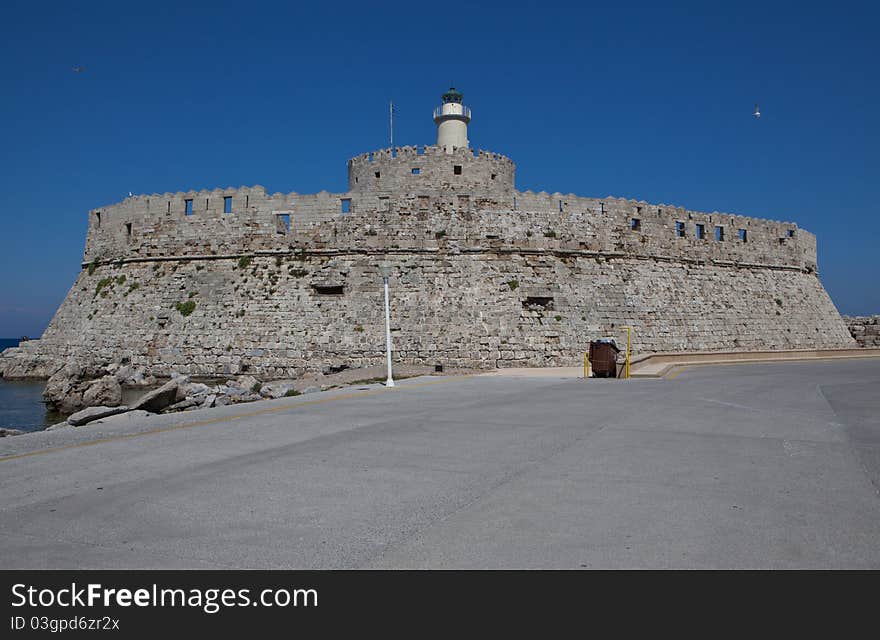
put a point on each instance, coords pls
(240, 280)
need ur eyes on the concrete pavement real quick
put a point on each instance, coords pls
(758, 465)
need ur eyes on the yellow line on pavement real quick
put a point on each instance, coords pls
(237, 416)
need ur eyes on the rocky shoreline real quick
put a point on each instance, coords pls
(89, 398)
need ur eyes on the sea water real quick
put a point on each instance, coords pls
(21, 405)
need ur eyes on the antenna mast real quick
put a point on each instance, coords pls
(391, 123)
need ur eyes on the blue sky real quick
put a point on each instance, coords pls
(650, 101)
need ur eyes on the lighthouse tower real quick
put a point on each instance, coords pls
(452, 119)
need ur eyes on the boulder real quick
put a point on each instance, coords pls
(123, 418)
(277, 389)
(57, 426)
(4, 432)
(183, 404)
(209, 401)
(105, 392)
(157, 399)
(311, 390)
(246, 382)
(93, 413)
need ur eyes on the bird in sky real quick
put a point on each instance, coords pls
(757, 113)
(78, 69)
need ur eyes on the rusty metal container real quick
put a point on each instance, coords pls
(603, 358)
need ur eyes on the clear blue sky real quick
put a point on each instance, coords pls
(651, 102)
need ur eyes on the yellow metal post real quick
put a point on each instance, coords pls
(628, 342)
(586, 366)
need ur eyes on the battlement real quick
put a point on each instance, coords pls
(430, 169)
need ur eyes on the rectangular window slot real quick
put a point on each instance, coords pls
(791, 233)
(679, 229)
(169, 206)
(635, 224)
(128, 229)
(345, 205)
(247, 201)
(227, 204)
(638, 209)
(416, 171)
(328, 289)
(188, 207)
(560, 205)
(719, 234)
(378, 174)
(456, 169)
(538, 302)
(283, 222)
(98, 218)
(384, 203)
(701, 231)
(494, 175)
(743, 235)
(206, 203)
(514, 203)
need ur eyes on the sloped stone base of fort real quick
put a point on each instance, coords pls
(283, 314)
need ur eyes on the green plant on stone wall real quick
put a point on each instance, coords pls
(186, 308)
(513, 284)
(244, 262)
(103, 282)
(550, 233)
(93, 265)
(121, 279)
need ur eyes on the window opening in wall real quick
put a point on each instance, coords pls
(328, 289)
(283, 220)
(247, 201)
(659, 212)
(378, 174)
(206, 204)
(420, 151)
(128, 229)
(679, 229)
(98, 218)
(743, 235)
(416, 171)
(169, 206)
(791, 233)
(494, 175)
(701, 231)
(560, 205)
(538, 302)
(638, 209)
(345, 205)
(227, 204)
(384, 203)
(719, 234)
(514, 203)
(456, 169)
(635, 224)
(188, 207)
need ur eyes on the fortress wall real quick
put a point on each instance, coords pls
(279, 315)
(159, 226)
(480, 170)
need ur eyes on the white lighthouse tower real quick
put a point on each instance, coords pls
(452, 119)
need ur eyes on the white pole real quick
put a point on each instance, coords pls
(391, 123)
(390, 381)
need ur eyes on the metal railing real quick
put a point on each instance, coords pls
(465, 113)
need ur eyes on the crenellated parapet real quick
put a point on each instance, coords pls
(430, 169)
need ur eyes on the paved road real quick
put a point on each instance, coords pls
(771, 465)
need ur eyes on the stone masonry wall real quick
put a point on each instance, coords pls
(864, 329)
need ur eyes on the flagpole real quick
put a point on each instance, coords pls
(391, 124)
